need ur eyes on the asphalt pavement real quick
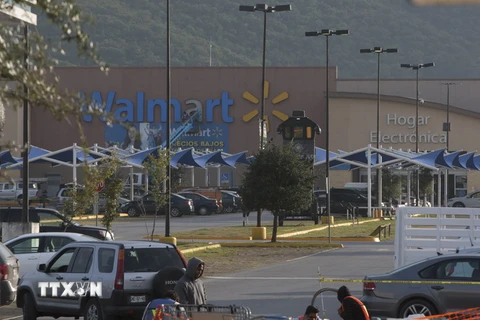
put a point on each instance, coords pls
(285, 288)
(288, 288)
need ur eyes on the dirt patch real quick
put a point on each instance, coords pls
(220, 261)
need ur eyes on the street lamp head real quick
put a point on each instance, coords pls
(311, 34)
(341, 32)
(391, 50)
(247, 8)
(283, 7)
(261, 7)
(427, 65)
(406, 65)
(366, 50)
(326, 32)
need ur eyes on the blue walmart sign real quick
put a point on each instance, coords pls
(143, 110)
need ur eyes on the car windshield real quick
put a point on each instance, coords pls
(151, 259)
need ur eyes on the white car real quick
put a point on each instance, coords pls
(471, 200)
(32, 249)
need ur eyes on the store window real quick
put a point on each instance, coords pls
(460, 185)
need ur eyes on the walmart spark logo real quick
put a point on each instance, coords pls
(276, 100)
(217, 132)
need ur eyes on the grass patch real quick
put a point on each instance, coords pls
(353, 231)
(245, 232)
(225, 260)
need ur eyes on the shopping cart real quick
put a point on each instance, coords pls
(201, 312)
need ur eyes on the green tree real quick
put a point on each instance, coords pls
(156, 167)
(425, 180)
(83, 197)
(391, 185)
(278, 180)
(38, 74)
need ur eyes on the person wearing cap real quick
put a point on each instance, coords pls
(352, 308)
(310, 314)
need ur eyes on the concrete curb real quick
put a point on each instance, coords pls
(90, 217)
(212, 246)
(325, 227)
(281, 244)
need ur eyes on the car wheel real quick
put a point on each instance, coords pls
(175, 212)
(203, 211)
(229, 209)
(417, 307)
(458, 205)
(92, 311)
(29, 308)
(133, 212)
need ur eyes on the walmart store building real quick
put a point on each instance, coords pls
(229, 100)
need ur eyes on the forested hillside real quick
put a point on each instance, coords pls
(132, 33)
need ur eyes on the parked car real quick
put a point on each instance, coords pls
(138, 192)
(146, 205)
(33, 249)
(203, 205)
(212, 193)
(9, 270)
(51, 220)
(65, 194)
(130, 273)
(14, 190)
(471, 200)
(231, 202)
(343, 199)
(400, 300)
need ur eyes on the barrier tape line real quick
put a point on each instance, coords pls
(399, 281)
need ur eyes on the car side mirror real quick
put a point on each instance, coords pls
(42, 267)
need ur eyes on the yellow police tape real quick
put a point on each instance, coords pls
(399, 281)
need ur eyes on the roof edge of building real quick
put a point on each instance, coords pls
(400, 99)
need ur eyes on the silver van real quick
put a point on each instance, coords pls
(104, 279)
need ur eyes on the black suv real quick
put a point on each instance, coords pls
(51, 220)
(343, 199)
(203, 205)
(146, 205)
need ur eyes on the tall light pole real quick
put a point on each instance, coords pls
(378, 51)
(26, 138)
(417, 67)
(265, 9)
(327, 33)
(446, 128)
(169, 168)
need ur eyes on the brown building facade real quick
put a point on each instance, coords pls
(228, 99)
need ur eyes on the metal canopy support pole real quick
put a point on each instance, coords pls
(131, 184)
(445, 188)
(409, 187)
(432, 198)
(219, 182)
(439, 188)
(369, 177)
(206, 177)
(74, 164)
(192, 173)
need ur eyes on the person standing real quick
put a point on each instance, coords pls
(190, 288)
(352, 308)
